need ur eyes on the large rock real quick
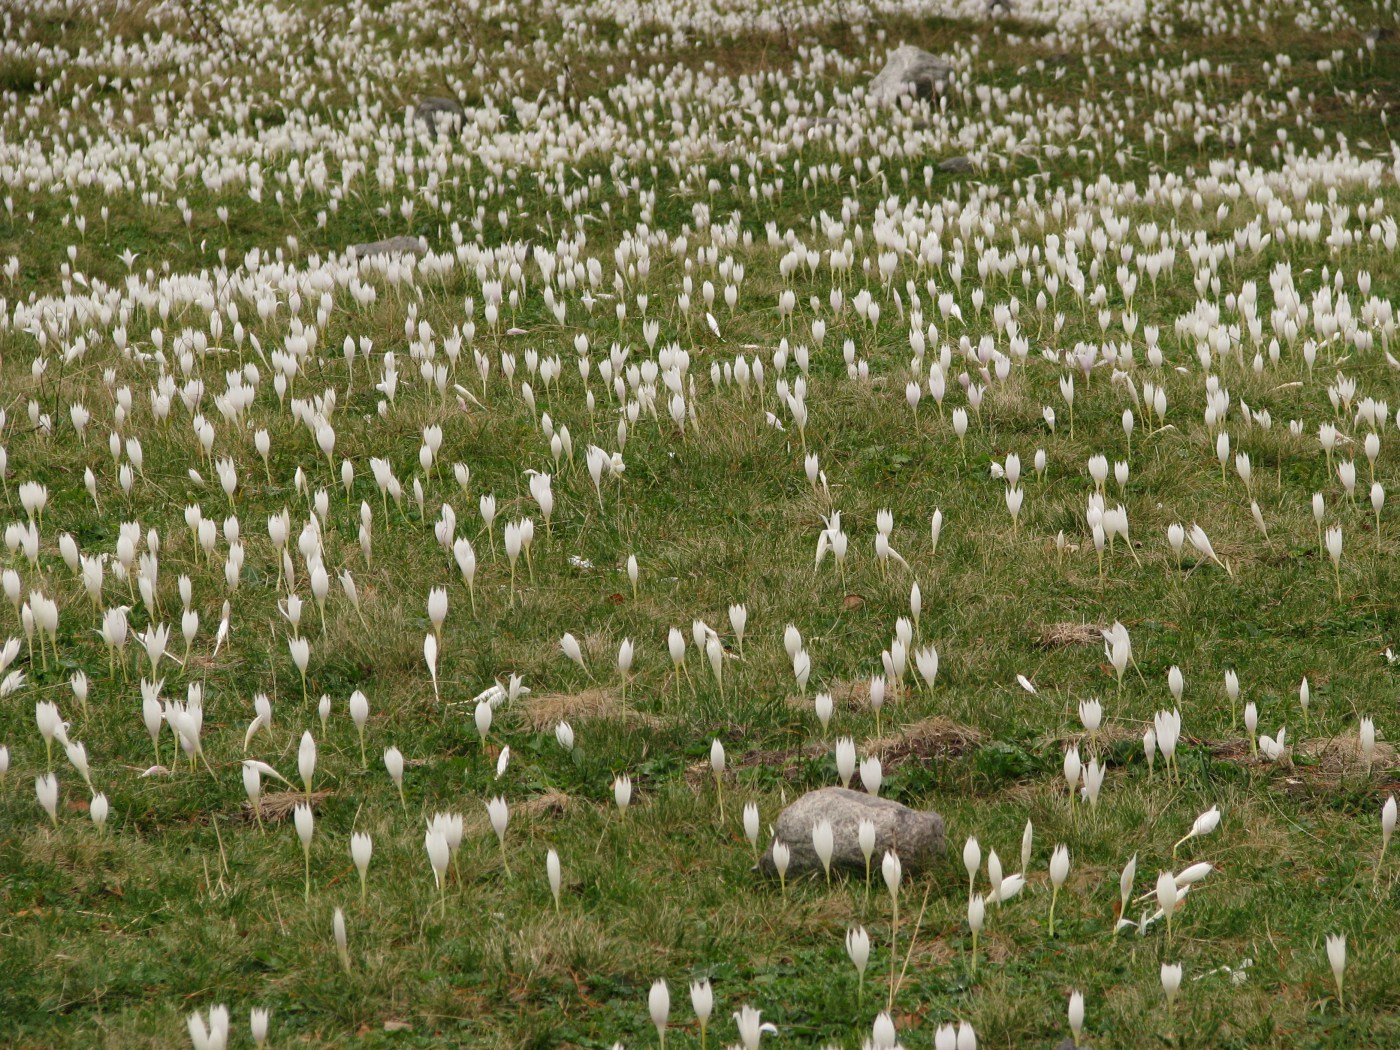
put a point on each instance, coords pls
(440, 113)
(391, 246)
(911, 71)
(916, 837)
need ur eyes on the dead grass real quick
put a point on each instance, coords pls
(1340, 756)
(546, 710)
(550, 803)
(1319, 763)
(852, 696)
(1107, 736)
(929, 738)
(1058, 635)
(923, 741)
(279, 805)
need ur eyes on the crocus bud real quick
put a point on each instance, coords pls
(97, 809)
(717, 758)
(972, 861)
(361, 849)
(555, 876)
(1059, 866)
(1337, 959)
(659, 1004)
(871, 774)
(858, 948)
(865, 836)
(845, 759)
(564, 733)
(46, 788)
(892, 871)
(393, 764)
(751, 823)
(1171, 981)
(341, 940)
(702, 1000)
(824, 844)
(782, 857)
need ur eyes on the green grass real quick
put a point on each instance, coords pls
(111, 940)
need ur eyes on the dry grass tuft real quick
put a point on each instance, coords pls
(1319, 762)
(1057, 635)
(552, 803)
(1340, 756)
(928, 738)
(545, 710)
(848, 695)
(786, 760)
(1107, 736)
(279, 805)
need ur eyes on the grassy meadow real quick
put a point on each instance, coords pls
(612, 165)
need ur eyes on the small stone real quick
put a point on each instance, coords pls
(391, 246)
(917, 837)
(956, 165)
(439, 113)
(911, 71)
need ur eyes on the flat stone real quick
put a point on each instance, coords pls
(917, 837)
(956, 165)
(439, 113)
(911, 71)
(401, 245)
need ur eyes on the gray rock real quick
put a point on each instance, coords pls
(916, 837)
(956, 165)
(440, 113)
(911, 71)
(391, 246)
